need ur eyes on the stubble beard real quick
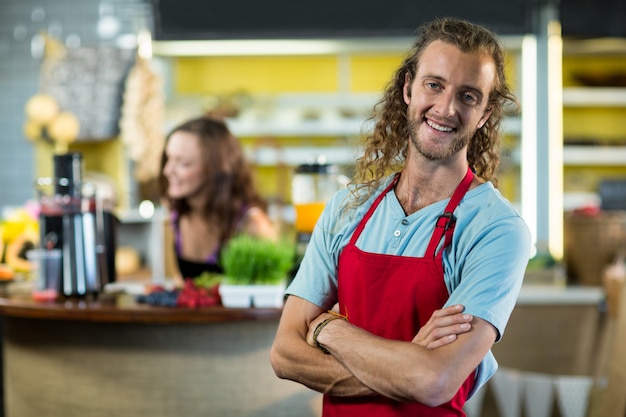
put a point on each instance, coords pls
(438, 153)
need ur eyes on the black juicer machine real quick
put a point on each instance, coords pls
(76, 220)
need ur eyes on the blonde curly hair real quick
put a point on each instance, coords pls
(386, 147)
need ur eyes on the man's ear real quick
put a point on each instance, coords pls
(406, 90)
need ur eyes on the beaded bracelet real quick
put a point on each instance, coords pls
(319, 328)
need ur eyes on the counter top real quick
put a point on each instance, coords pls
(560, 295)
(123, 308)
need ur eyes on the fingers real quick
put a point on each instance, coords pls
(448, 311)
(446, 335)
(448, 316)
(443, 327)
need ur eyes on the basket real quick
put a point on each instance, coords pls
(591, 243)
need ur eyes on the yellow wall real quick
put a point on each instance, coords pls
(263, 75)
(299, 74)
(363, 73)
(575, 66)
(360, 73)
(372, 73)
(217, 76)
(606, 125)
(594, 125)
(220, 75)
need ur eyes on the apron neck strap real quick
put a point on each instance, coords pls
(447, 221)
(369, 213)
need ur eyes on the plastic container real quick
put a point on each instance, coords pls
(312, 186)
(46, 273)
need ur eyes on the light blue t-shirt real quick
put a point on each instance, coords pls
(483, 267)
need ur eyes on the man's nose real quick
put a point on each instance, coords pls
(446, 104)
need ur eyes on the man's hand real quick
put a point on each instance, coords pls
(310, 336)
(443, 327)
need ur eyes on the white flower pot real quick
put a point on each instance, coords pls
(243, 296)
(235, 296)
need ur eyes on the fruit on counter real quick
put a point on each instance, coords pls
(6, 272)
(190, 296)
(41, 108)
(207, 280)
(193, 296)
(15, 255)
(19, 233)
(17, 222)
(159, 297)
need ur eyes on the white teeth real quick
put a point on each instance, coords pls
(439, 127)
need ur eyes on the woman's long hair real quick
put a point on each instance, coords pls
(229, 180)
(385, 149)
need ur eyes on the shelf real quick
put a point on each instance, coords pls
(282, 125)
(587, 155)
(305, 115)
(594, 97)
(594, 155)
(296, 155)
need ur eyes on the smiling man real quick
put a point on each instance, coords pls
(412, 272)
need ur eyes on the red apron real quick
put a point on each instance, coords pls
(393, 296)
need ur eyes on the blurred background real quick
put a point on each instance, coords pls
(296, 83)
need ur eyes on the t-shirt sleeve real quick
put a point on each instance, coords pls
(491, 274)
(316, 279)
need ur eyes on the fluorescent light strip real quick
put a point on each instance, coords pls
(251, 47)
(277, 47)
(528, 146)
(555, 138)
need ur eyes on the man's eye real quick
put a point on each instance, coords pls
(469, 98)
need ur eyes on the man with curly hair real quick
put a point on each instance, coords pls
(412, 272)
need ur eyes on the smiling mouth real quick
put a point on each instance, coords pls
(438, 127)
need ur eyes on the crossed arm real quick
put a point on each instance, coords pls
(429, 369)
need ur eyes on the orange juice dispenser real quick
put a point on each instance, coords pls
(312, 185)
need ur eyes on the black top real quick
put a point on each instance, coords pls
(191, 269)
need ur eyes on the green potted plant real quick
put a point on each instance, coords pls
(255, 272)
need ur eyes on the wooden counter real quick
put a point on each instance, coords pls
(122, 308)
(554, 332)
(113, 357)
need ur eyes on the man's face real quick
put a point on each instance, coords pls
(447, 101)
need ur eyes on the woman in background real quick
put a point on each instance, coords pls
(209, 189)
